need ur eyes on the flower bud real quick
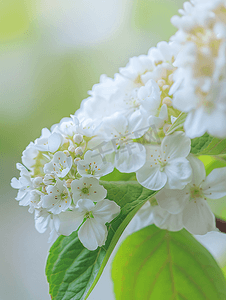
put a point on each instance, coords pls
(161, 82)
(167, 101)
(71, 148)
(37, 181)
(165, 87)
(78, 138)
(78, 151)
(66, 152)
(76, 160)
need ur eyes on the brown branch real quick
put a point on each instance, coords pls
(221, 225)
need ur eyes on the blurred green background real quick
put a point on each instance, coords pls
(52, 52)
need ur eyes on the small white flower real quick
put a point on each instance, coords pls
(49, 179)
(67, 126)
(116, 134)
(87, 188)
(48, 141)
(59, 165)
(167, 165)
(24, 184)
(44, 220)
(37, 181)
(93, 165)
(58, 198)
(93, 231)
(29, 156)
(35, 197)
(191, 201)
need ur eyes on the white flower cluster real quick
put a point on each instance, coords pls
(59, 181)
(201, 62)
(124, 125)
(174, 209)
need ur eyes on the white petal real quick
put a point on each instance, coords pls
(48, 168)
(137, 125)
(97, 193)
(15, 183)
(115, 123)
(106, 211)
(214, 187)
(48, 201)
(198, 217)
(21, 194)
(165, 220)
(42, 223)
(151, 177)
(173, 201)
(215, 242)
(92, 234)
(218, 118)
(176, 145)
(130, 158)
(25, 200)
(196, 123)
(70, 221)
(159, 121)
(60, 206)
(179, 173)
(54, 142)
(143, 218)
(198, 170)
(45, 133)
(85, 205)
(53, 236)
(184, 101)
(56, 222)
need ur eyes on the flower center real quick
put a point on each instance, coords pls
(85, 190)
(89, 215)
(162, 164)
(91, 168)
(196, 192)
(208, 106)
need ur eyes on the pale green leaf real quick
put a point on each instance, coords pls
(156, 264)
(213, 162)
(208, 145)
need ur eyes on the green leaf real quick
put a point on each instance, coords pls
(118, 176)
(208, 145)
(72, 270)
(157, 264)
(213, 162)
(179, 123)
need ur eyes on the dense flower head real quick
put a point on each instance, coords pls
(201, 67)
(53, 180)
(127, 123)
